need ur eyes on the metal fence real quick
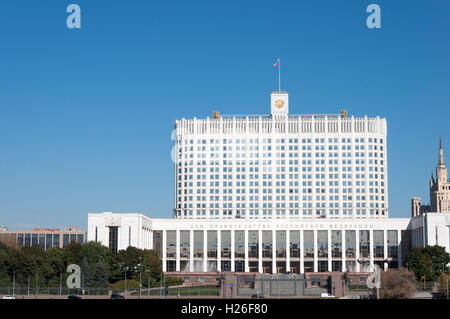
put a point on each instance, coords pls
(52, 291)
(426, 287)
(158, 291)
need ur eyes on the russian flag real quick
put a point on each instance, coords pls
(277, 63)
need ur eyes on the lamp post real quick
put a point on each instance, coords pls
(125, 288)
(447, 283)
(140, 275)
(37, 287)
(14, 282)
(149, 286)
(445, 271)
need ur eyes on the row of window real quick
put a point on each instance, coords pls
(339, 247)
(46, 241)
(280, 266)
(271, 212)
(281, 140)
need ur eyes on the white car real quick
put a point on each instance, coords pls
(8, 297)
(327, 295)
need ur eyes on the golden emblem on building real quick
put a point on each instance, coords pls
(279, 103)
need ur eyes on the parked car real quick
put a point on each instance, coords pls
(117, 296)
(327, 295)
(8, 297)
(74, 297)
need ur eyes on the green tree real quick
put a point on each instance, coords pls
(427, 262)
(136, 261)
(95, 252)
(151, 267)
(55, 260)
(100, 275)
(72, 254)
(5, 260)
(30, 261)
(85, 274)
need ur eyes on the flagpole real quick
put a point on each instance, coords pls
(279, 78)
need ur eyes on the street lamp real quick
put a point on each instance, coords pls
(37, 287)
(140, 275)
(14, 282)
(445, 271)
(125, 288)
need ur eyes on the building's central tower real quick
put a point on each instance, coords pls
(279, 103)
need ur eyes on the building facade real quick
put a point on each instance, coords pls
(263, 245)
(274, 194)
(281, 165)
(44, 237)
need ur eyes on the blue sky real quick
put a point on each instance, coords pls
(86, 115)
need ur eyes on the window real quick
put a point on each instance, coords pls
(198, 243)
(157, 242)
(113, 238)
(364, 243)
(281, 243)
(322, 243)
(267, 243)
(239, 244)
(378, 246)
(212, 243)
(308, 244)
(184, 244)
(350, 243)
(171, 243)
(226, 244)
(294, 243)
(336, 243)
(253, 244)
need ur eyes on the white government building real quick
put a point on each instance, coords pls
(276, 193)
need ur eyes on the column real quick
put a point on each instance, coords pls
(371, 247)
(315, 251)
(288, 250)
(399, 248)
(343, 256)
(219, 251)
(358, 266)
(177, 250)
(246, 250)
(385, 249)
(260, 257)
(232, 250)
(274, 251)
(191, 250)
(205, 250)
(329, 250)
(164, 253)
(302, 252)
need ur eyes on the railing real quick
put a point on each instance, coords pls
(178, 291)
(53, 291)
(425, 287)
(56, 291)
